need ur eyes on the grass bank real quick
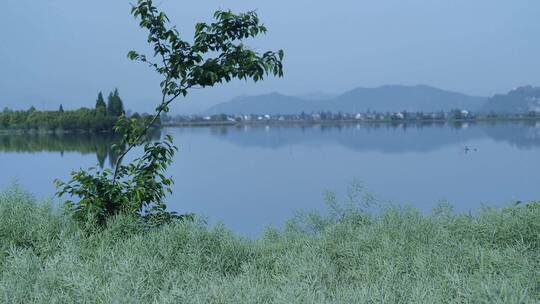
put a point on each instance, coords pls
(398, 256)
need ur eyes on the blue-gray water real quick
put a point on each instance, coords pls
(251, 177)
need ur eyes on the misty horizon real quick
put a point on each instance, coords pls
(307, 96)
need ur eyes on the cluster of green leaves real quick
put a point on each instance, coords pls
(216, 55)
(139, 190)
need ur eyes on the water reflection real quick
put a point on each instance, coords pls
(252, 176)
(520, 135)
(388, 138)
(83, 143)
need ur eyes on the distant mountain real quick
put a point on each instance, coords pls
(519, 100)
(410, 98)
(273, 103)
(385, 98)
(318, 96)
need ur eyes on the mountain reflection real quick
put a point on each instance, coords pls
(388, 138)
(523, 135)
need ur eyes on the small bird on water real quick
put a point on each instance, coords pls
(467, 149)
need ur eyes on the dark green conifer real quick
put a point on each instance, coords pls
(115, 106)
(101, 107)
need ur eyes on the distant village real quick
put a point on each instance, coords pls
(320, 117)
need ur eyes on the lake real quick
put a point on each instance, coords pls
(250, 177)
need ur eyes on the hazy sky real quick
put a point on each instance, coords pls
(65, 51)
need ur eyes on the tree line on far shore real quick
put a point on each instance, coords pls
(101, 118)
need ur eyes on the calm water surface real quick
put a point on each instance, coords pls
(251, 177)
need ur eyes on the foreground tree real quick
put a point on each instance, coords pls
(216, 55)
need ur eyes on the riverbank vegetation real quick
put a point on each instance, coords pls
(348, 256)
(101, 118)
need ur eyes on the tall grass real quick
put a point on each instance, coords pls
(397, 256)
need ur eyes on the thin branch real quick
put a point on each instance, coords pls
(161, 48)
(163, 105)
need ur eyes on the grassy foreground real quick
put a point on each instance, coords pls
(399, 256)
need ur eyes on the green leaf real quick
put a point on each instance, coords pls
(132, 55)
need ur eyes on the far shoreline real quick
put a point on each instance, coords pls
(339, 122)
(273, 122)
